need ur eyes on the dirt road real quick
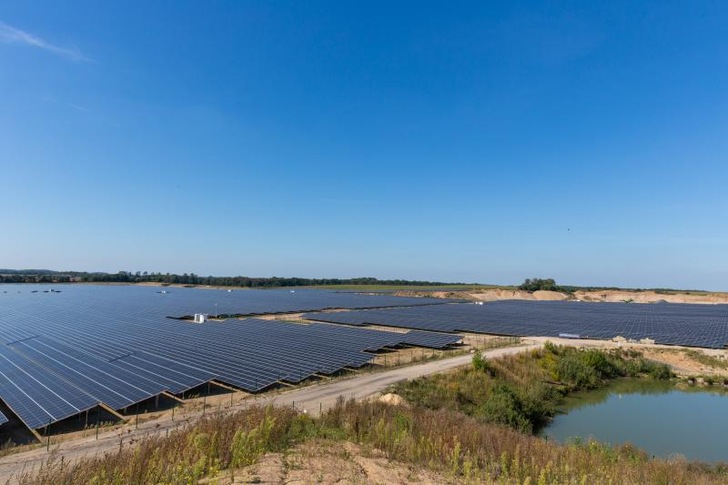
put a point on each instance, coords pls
(311, 399)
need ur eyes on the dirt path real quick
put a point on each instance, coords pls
(311, 399)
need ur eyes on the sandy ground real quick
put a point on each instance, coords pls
(683, 361)
(328, 462)
(686, 361)
(495, 294)
(651, 296)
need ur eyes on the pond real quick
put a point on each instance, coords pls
(656, 416)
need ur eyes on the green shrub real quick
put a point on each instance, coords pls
(522, 391)
(573, 370)
(481, 363)
(503, 406)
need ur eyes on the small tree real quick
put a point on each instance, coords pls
(535, 284)
(481, 363)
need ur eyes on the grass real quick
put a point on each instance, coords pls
(459, 447)
(522, 391)
(453, 287)
(10, 448)
(706, 359)
(448, 429)
(417, 355)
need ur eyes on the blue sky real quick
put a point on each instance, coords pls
(482, 141)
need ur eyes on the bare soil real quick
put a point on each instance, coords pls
(683, 361)
(632, 296)
(687, 363)
(652, 296)
(329, 462)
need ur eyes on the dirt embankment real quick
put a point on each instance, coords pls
(322, 461)
(631, 296)
(488, 295)
(493, 295)
(652, 296)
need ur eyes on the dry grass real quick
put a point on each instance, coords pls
(475, 452)
(443, 441)
(449, 443)
(186, 455)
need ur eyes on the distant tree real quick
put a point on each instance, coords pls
(47, 276)
(536, 284)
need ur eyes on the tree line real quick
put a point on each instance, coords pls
(48, 276)
(549, 284)
(536, 284)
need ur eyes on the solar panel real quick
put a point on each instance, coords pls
(37, 395)
(116, 346)
(677, 324)
(421, 338)
(64, 353)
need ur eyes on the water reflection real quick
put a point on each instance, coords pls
(656, 416)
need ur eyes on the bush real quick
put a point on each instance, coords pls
(481, 363)
(574, 371)
(519, 391)
(547, 284)
(601, 363)
(503, 406)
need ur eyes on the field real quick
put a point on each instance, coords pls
(93, 360)
(424, 440)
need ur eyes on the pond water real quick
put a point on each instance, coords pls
(655, 416)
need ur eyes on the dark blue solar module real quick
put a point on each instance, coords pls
(666, 323)
(3, 419)
(64, 353)
(434, 340)
(160, 301)
(36, 394)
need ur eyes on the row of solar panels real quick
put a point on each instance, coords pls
(674, 324)
(55, 366)
(157, 301)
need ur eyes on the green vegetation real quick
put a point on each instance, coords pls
(547, 284)
(48, 276)
(522, 391)
(212, 444)
(411, 287)
(461, 448)
(706, 359)
(358, 284)
(454, 426)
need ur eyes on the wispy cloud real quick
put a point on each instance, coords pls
(77, 106)
(11, 35)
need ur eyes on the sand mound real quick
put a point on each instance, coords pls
(549, 295)
(392, 399)
(497, 294)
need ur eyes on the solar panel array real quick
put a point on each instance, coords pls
(173, 301)
(674, 324)
(62, 353)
